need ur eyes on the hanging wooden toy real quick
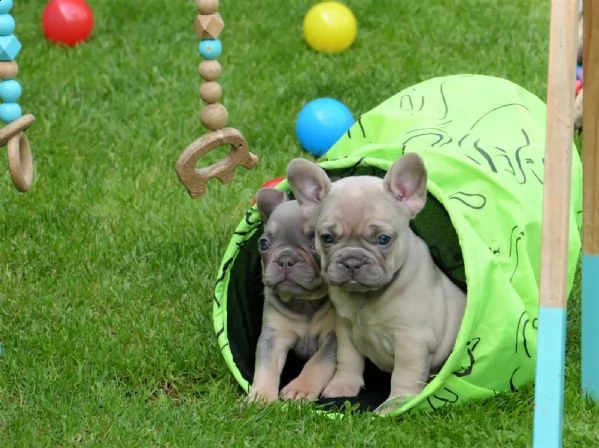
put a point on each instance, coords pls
(214, 115)
(20, 161)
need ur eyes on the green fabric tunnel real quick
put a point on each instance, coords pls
(482, 139)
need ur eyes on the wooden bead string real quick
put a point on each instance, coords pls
(209, 25)
(20, 161)
(213, 116)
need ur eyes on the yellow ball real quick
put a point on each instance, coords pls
(330, 27)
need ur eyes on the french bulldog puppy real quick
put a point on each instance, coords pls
(297, 313)
(393, 304)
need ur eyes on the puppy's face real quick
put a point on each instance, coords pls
(289, 261)
(361, 222)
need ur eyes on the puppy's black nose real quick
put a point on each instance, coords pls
(286, 261)
(353, 264)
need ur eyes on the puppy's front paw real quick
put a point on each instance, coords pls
(392, 404)
(343, 386)
(262, 395)
(301, 388)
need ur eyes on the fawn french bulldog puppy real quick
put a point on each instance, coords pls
(297, 313)
(393, 304)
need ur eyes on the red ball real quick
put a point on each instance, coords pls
(270, 183)
(67, 22)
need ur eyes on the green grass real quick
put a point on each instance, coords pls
(107, 266)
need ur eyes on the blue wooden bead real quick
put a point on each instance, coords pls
(10, 91)
(210, 48)
(9, 112)
(5, 6)
(7, 24)
(9, 46)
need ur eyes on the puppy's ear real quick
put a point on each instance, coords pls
(309, 183)
(267, 199)
(406, 180)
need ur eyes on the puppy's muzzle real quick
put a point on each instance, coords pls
(293, 272)
(355, 268)
(286, 260)
(352, 265)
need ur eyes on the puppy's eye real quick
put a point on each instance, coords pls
(327, 238)
(263, 244)
(383, 239)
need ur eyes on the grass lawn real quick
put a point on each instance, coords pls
(107, 266)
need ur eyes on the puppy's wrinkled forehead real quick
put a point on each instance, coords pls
(357, 202)
(285, 224)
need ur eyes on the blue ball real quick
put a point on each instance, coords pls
(10, 90)
(7, 24)
(9, 112)
(321, 123)
(210, 48)
(5, 6)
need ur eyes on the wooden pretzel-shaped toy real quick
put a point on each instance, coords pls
(214, 115)
(20, 161)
